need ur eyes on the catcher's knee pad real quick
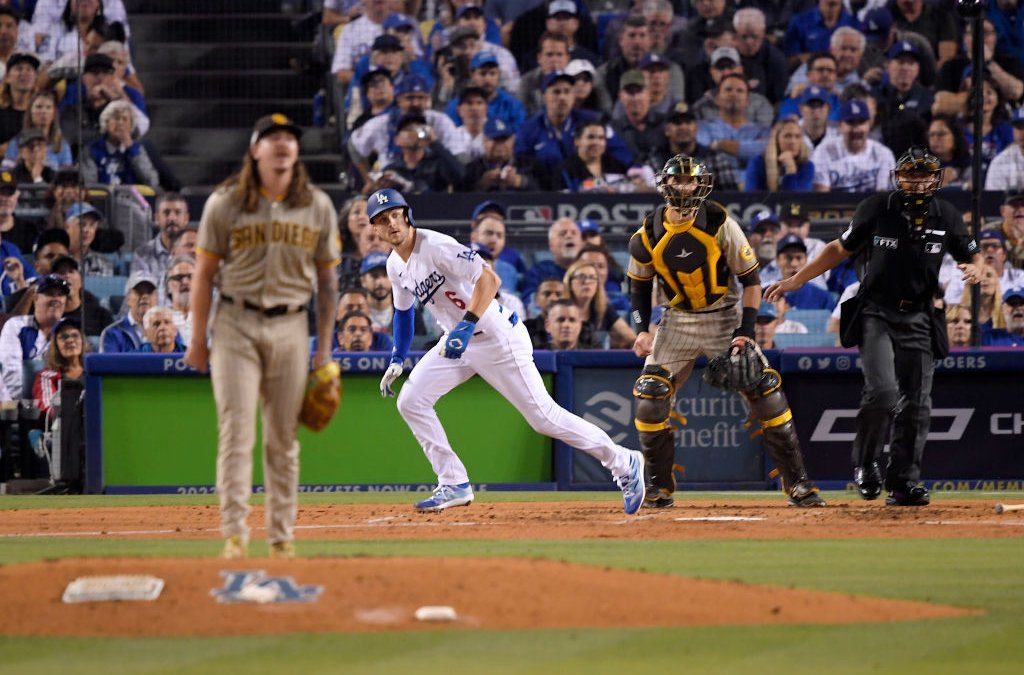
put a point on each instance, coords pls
(653, 391)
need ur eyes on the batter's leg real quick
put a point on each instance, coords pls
(431, 378)
(285, 351)
(505, 361)
(235, 373)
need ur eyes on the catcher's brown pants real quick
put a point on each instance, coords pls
(262, 360)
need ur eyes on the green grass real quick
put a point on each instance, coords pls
(982, 573)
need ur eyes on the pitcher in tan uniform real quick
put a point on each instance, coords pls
(267, 238)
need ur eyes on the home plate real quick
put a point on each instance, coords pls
(720, 519)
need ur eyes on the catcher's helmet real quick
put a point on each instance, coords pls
(917, 160)
(385, 200)
(686, 200)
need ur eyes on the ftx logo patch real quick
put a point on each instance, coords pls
(285, 587)
(885, 242)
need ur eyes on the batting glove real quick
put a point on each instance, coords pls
(458, 339)
(390, 375)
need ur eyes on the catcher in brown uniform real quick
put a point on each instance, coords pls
(708, 274)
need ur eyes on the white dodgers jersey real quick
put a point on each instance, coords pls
(440, 274)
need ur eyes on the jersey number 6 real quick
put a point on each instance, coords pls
(456, 300)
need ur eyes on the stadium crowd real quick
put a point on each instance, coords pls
(493, 97)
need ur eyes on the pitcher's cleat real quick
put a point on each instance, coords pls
(235, 548)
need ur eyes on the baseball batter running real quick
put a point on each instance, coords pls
(483, 338)
(699, 253)
(268, 237)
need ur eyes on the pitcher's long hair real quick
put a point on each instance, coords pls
(244, 186)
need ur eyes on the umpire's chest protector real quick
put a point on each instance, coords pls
(691, 267)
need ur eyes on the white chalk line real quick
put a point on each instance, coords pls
(122, 533)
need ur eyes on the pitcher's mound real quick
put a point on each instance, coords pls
(372, 594)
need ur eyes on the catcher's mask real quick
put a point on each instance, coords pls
(385, 200)
(684, 184)
(918, 174)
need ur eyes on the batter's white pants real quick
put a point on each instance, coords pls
(503, 357)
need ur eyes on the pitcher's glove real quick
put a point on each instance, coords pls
(740, 368)
(323, 396)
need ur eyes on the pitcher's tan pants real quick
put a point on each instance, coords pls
(258, 359)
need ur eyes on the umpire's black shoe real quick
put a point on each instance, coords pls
(868, 480)
(908, 494)
(658, 498)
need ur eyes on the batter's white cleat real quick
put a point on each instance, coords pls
(448, 495)
(632, 483)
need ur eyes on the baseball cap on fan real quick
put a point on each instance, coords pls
(372, 261)
(273, 122)
(854, 110)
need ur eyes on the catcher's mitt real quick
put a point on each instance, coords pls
(323, 396)
(737, 372)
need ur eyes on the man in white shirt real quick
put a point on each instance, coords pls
(853, 162)
(1006, 171)
(357, 37)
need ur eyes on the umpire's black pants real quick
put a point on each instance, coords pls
(896, 359)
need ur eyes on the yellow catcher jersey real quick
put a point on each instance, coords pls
(696, 262)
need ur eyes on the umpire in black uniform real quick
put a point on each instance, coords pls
(899, 239)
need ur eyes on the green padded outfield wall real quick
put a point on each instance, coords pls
(162, 431)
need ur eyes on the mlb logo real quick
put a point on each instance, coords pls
(933, 247)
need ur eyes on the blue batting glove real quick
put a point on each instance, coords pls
(458, 339)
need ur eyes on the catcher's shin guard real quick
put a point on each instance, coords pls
(653, 391)
(769, 406)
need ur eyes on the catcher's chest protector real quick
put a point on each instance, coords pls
(691, 267)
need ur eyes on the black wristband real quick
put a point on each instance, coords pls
(746, 328)
(470, 317)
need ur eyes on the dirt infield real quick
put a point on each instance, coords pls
(371, 594)
(705, 519)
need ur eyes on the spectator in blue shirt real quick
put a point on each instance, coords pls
(785, 164)
(547, 136)
(501, 105)
(733, 133)
(1013, 312)
(821, 74)
(127, 334)
(791, 256)
(1008, 19)
(161, 334)
(811, 30)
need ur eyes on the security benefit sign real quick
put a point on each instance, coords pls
(712, 447)
(976, 431)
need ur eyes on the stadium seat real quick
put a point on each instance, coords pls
(104, 287)
(816, 320)
(804, 340)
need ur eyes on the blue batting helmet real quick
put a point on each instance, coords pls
(385, 200)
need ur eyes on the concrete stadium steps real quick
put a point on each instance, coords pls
(195, 171)
(137, 7)
(211, 57)
(216, 144)
(226, 84)
(151, 29)
(211, 68)
(211, 112)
